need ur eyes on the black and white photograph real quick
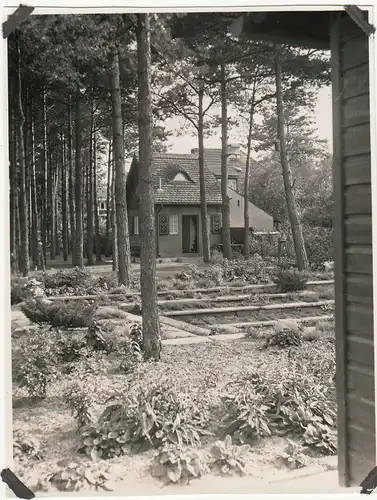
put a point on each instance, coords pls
(190, 250)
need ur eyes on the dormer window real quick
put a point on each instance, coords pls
(181, 177)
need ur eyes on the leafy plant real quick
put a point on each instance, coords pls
(136, 337)
(35, 374)
(74, 476)
(177, 464)
(228, 457)
(104, 440)
(246, 415)
(322, 436)
(79, 402)
(95, 339)
(25, 448)
(154, 414)
(294, 455)
(290, 280)
(284, 396)
(68, 348)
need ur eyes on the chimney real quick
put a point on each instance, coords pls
(234, 149)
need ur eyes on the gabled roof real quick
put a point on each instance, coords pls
(166, 166)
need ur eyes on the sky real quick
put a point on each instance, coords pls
(181, 142)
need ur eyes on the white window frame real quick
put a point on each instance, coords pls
(173, 224)
(136, 224)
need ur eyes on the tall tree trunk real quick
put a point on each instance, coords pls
(89, 204)
(26, 100)
(13, 186)
(246, 242)
(148, 278)
(108, 203)
(44, 213)
(298, 239)
(114, 230)
(124, 258)
(78, 257)
(227, 244)
(34, 198)
(71, 194)
(51, 203)
(64, 199)
(57, 225)
(202, 178)
(95, 202)
(24, 223)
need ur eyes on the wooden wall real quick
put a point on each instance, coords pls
(353, 251)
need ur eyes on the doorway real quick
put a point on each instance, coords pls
(189, 233)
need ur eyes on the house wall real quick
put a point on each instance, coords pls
(171, 245)
(259, 220)
(353, 251)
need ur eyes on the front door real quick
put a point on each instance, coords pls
(189, 233)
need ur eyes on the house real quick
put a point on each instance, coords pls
(236, 163)
(354, 316)
(176, 193)
(259, 220)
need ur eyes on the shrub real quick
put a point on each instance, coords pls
(66, 281)
(319, 244)
(25, 448)
(265, 245)
(248, 271)
(79, 403)
(290, 280)
(176, 464)
(75, 314)
(35, 373)
(18, 292)
(74, 476)
(228, 457)
(285, 335)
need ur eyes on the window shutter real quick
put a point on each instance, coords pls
(163, 225)
(216, 223)
(131, 226)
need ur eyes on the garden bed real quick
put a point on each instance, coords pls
(201, 372)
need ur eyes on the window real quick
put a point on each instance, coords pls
(232, 183)
(136, 224)
(216, 224)
(173, 224)
(181, 177)
(102, 205)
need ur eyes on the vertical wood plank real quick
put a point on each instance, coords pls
(338, 240)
